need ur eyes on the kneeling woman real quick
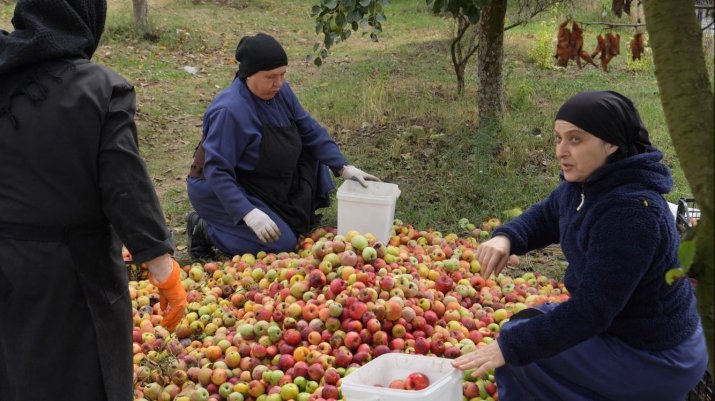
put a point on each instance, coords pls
(624, 334)
(261, 169)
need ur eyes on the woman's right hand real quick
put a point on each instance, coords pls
(493, 255)
(262, 225)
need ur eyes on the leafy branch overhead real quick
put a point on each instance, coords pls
(337, 19)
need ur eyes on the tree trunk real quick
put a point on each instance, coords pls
(490, 93)
(687, 97)
(141, 15)
(459, 70)
(464, 45)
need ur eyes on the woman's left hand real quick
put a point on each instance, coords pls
(354, 173)
(485, 358)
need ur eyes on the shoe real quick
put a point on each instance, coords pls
(198, 242)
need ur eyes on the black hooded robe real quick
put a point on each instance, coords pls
(72, 184)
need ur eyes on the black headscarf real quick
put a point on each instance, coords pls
(52, 29)
(610, 116)
(256, 53)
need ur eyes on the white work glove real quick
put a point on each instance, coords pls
(354, 173)
(265, 228)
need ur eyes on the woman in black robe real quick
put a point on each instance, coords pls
(73, 187)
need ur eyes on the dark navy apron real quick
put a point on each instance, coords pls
(285, 177)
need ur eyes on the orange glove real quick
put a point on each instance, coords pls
(172, 298)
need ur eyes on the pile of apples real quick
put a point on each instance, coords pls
(291, 326)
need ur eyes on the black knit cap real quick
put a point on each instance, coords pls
(259, 53)
(610, 116)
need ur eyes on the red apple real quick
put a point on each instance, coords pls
(362, 357)
(316, 279)
(387, 283)
(470, 390)
(437, 347)
(316, 371)
(357, 309)
(332, 376)
(352, 340)
(348, 258)
(336, 286)
(343, 357)
(292, 337)
(285, 362)
(416, 381)
(300, 369)
(379, 350)
(444, 283)
(491, 388)
(330, 392)
(422, 346)
(452, 352)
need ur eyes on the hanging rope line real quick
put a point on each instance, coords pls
(610, 24)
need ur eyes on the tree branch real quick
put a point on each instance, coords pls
(609, 24)
(536, 12)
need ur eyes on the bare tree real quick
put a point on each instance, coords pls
(463, 46)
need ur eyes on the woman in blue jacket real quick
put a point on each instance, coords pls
(624, 334)
(261, 169)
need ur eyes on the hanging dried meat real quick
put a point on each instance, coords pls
(563, 53)
(608, 47)
(569, 45)
(637, 46)
(576, 46)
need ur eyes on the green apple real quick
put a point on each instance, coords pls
(512, 213)
(289, 391)
(369, 254)
(359, 242)
(451, 264)
(235, 396)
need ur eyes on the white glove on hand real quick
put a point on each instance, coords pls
(265, 228)
(354, 173)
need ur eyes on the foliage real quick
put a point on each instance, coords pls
(644, 64)
(542, 53)
(336, 19)
(686, 254)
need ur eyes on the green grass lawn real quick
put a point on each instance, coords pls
(391, 105)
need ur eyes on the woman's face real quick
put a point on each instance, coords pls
(266, 84)
(579, 153)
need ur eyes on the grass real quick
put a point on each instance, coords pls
(391, 105)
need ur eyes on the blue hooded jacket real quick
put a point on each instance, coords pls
(619, 237)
